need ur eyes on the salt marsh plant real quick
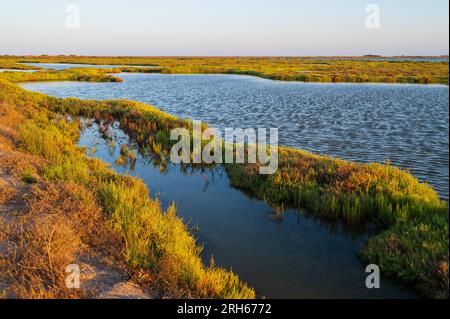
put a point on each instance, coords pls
(411, 244)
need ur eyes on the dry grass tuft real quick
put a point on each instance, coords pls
(37, 254)
(15, 164)
(64, 223)
(78, 204)
(6, 192)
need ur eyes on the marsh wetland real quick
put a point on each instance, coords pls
(284, 254)
(406, 125)
(287, 252)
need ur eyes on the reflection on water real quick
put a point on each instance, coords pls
(405, 124)
(284, 255)
(407, 59)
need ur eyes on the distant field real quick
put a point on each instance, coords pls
(308, 69)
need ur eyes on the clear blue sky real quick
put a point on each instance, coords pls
(224, 27)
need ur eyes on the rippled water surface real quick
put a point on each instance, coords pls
(405, 124)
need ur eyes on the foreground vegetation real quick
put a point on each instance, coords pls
(277, 68)
(412, 244)
(156, 246)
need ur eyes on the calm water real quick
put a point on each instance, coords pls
(14, 70)
(406, 124)
(293, 257)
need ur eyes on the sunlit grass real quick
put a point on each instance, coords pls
(156, 242)
(333, 189)
(87, 75)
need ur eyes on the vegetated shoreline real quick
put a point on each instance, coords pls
(89, 210)
(412, 245)
(79, 73)
(305, 69)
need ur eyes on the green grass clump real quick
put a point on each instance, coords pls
(11, 64)
(29, 177)
(340, 190)
(42, 136)
(415, 252)
(412, 243)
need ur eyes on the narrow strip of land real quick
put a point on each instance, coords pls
(308, 69)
